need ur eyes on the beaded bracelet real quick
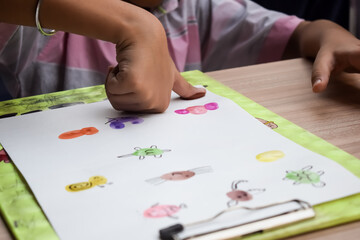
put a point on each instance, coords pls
(41, 30)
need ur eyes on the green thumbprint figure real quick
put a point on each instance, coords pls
(143, 152)
(305, 176)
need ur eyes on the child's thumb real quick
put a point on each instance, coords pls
(185, 90)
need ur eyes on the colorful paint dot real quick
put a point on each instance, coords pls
(211, 106)
(143, 152)
(177, 176)
(201, 109)
(270, 156)
(182, 111)
(93, 181)
(270, 124)
(119, 123)
(239, 195)
(197, 109)
(159, 211)
(305, 176)
(78, 133)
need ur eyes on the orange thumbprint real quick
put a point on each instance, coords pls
(78, 133)
(89, 131)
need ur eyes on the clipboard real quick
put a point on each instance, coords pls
(302, 211)
(26, 220)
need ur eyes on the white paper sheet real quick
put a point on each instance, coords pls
(125, 196)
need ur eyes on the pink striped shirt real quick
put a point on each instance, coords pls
(202, 34)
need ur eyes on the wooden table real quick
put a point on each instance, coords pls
(284, 87)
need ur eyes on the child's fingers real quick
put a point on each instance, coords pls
(354, 61)
(122, 102)
(120, 98)
(125, 94)
(322, 68)
(119, 83)
(186, 90)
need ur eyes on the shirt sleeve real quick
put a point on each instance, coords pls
(241, 33)
(31, 63)
(276, 40)
(6, 32)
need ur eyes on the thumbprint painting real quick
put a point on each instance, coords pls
(78, 133)
(237, 195)
(270, 156)
(179, 175)
(143, 152)
(99, 181)
(270, 124)
(159, 211)
(119, 122)
(202, 109)
(305, 176)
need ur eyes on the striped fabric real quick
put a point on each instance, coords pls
(202, 34)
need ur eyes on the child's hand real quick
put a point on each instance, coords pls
(339, 53)
(145, 74)
(333, 48)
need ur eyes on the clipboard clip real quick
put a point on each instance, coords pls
(302, 212)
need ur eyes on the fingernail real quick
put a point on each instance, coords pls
(195, 96)
(317, 82)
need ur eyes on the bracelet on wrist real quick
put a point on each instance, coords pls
(44, 32)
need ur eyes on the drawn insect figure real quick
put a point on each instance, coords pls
(119, 122)
(270, 124)
(99, 181)
(198, 109)
(159, 211)
(179, 175)
(236, 195)
(79, 133)
(305, 176)
(143, 152)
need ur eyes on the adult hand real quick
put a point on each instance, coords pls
(145, 74)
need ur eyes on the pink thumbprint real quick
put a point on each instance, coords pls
(182, 111)
(211, 106)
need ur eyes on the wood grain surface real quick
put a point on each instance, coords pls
(285, 88)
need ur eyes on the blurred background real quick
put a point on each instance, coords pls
(343, 12)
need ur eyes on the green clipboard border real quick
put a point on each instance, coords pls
(26, 220)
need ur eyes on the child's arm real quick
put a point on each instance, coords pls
(145, 74)
(333, 48)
